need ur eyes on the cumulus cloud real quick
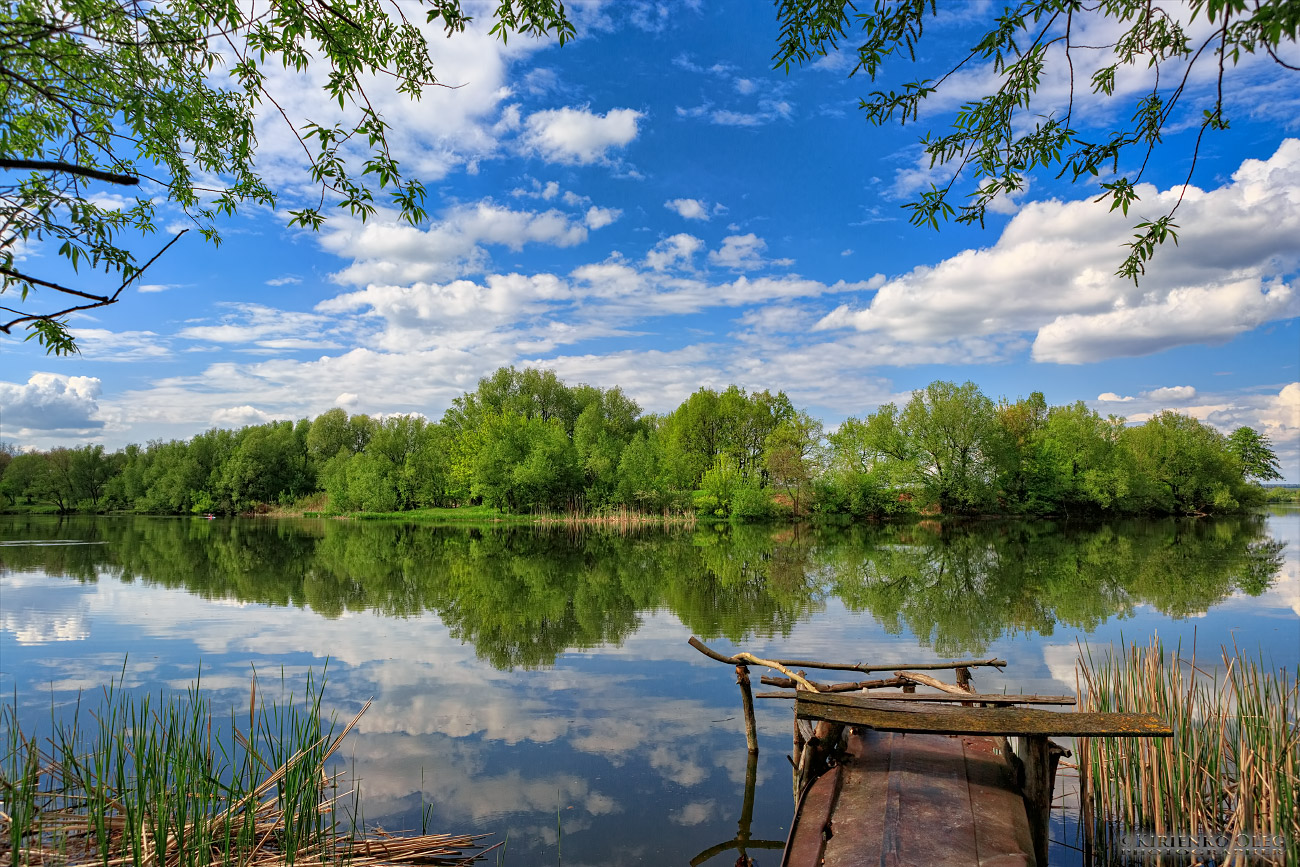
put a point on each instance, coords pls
(238, 416)
(599, 218)
(456, 313)
(1112, 397)
(576, 136)
(450, 128)
(690, 209)
(385, 250)
(51, 403)
(675, 251)
(1051, 273)
(743, 253)
(1171, 393)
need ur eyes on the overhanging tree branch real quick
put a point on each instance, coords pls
(99, 300)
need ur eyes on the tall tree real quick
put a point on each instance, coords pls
(164, 98)
(1255, 452)
(951, 430)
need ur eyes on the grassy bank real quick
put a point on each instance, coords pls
(1232, 767)
(162, 782)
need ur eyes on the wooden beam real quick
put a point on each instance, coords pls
(903, 716)
(745, 658)
(995, 698)
(853, 686)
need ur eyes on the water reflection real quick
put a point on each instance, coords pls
(523, 596)
(538, 683)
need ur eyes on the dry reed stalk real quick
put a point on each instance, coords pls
(1231, 770)
(152, 788)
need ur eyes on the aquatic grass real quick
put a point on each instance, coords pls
(1231, 770)
(154, 783)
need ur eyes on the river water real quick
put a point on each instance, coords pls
(536, 684)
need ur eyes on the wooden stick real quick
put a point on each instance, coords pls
(747, 700)
(863, 667)
(927, 680)
(751, 659)
(787, 683)
(781, 664)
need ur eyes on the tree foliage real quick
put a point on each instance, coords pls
(165, 99)
(996, 139)
(525, 442)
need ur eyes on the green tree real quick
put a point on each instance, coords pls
(1182, 466)
(951, 431)
(99, 92)
(20, 477)
(91, 471)
(997, 139)
(1078, 464)
(1255, 453)
(794, 457)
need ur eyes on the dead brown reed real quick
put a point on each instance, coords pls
(155, 785)
(1230, 772)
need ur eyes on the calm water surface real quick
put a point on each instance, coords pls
(537, 683)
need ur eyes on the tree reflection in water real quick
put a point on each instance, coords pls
(524, 595)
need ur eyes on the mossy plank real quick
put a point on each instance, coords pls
(902, 716)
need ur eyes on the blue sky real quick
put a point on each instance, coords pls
(652, 206)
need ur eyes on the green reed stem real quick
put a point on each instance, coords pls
(1231, 767)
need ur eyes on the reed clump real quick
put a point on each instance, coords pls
(1230, 773)
(162, 783)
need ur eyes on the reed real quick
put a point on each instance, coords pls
(159, 782)
(1231, 771)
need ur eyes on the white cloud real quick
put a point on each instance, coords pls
(1112, 397)
(576, 136)
(448, 129)
(1171, 393)
(675, 251)
(599, 218)
(148, 288)
(51, 403)
(454, 314)
(1051, 272)
(743, 253)
(238, 416)
(387, 251)
(287, 280)
(690, 209)
(267, 328)
(101, 344)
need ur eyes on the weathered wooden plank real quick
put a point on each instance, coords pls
(857, 826)
(916, 800)
(898, 716)
(935, 826)
(1002, 834)
(812, 821)
(996, 698)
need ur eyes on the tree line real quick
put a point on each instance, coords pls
(526, 442)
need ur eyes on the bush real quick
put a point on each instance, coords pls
(752, 504)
